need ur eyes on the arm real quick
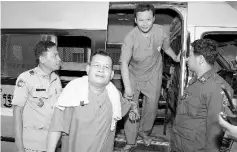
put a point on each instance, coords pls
(168, 50)
(19, 99)
(171, 53)
(61, 122)
(53, 138)
(231, 129)
(18, 124)
(125, 105)
(214, 107)
(126, 80)
(126, 54)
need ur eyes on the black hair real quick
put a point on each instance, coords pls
(42, 47)
(207, 48)
(103, 53)
(144, 7)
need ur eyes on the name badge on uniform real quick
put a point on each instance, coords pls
(38, 89)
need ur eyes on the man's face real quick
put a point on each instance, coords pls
(51, 59)
(192, 61)
(100, 70)
(145, 20)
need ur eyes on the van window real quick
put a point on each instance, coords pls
(75, 52)
(17, 54)
(74, 48)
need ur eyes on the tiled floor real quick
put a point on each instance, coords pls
(161, 142)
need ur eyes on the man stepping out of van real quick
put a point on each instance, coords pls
(35, 94)
(141, 68)
(196, 127)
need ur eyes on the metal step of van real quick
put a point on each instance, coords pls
(159, 144)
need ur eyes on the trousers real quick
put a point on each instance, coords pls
(151, 90)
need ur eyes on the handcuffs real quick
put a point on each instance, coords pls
(132, 112)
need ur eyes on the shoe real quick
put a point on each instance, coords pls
(146, 139)
(128, 148)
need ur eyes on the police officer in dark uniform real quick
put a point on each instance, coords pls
(196, 127)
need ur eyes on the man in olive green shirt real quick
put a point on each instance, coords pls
(196, 127)
(88, 124)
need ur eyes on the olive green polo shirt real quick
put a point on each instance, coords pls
(88, 126)
(143, 53)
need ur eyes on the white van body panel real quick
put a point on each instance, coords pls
(199, 31)
(54, 15)
(211, 16)
(214, 14)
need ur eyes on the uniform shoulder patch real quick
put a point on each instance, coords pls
(225, 102)
(32, 72)
(21, 83)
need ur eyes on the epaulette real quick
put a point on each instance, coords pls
(32, 72)
(217, 78)
(210, 74)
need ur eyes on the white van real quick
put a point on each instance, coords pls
(80, 28)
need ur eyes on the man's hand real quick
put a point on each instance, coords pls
(134, 113)
(231, 130)
(223, 122)
(178, 56)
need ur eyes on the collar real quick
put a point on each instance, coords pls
(41, 73)
(207, 75)
(194, 79)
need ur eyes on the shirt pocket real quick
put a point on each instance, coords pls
(39, 93)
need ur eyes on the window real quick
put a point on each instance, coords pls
(17, 53)
(74, 48)
(72, 54)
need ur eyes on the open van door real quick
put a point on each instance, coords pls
(173, 17)
(78, 28)
(185, 40)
